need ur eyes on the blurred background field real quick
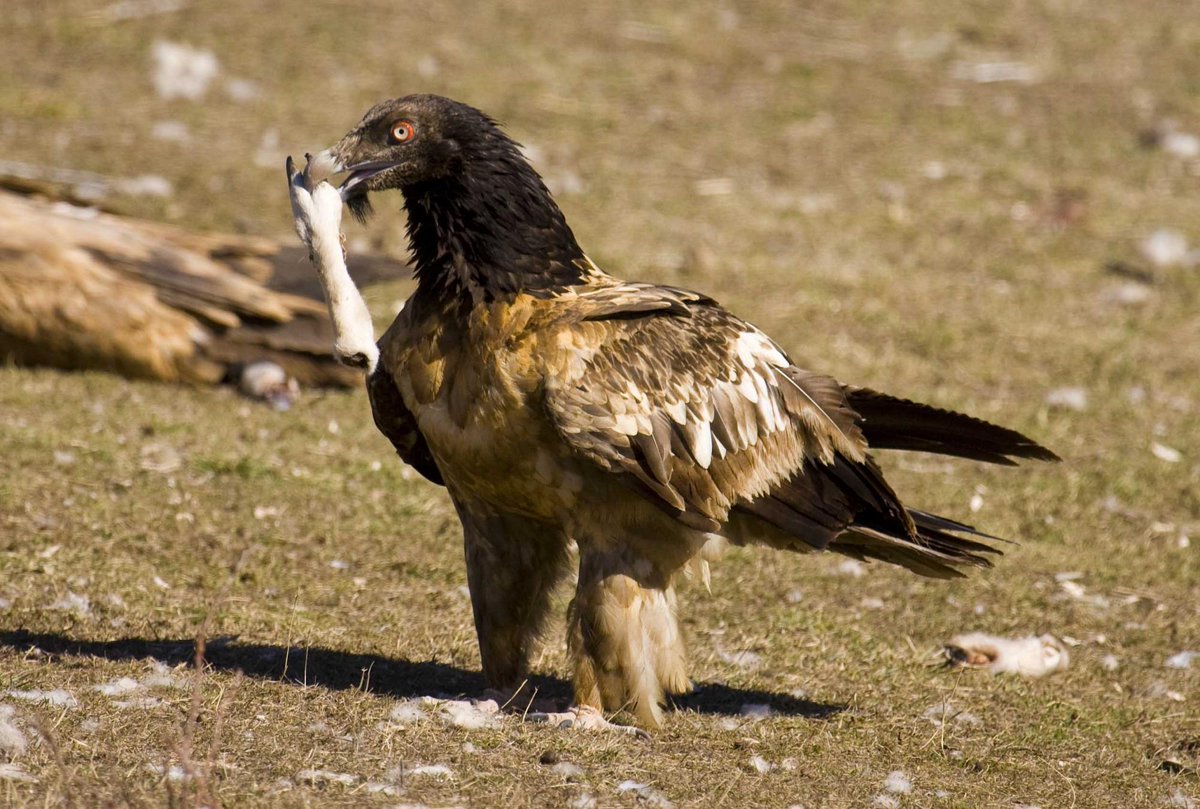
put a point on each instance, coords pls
(991, 207)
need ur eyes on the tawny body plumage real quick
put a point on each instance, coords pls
(645, 424)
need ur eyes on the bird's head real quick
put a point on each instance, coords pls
(406, 141)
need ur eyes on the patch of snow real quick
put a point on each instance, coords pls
(1070, 398)
(160, 458)
(407, 712)
(427, 66)
(760, 764)
(13, 772)
(181, 71)
(886, 801)
(755, 710)
(242, 91)
(269, 154)
(715, 187)
(467, 714)
(645, 794)
(746, 660)
(994, 72)
(145, 185)
(943, 712)
(319, 777)
(1180, 801)
(171, 132)
(1183, 660)
(136, 9)
(121, 685)
(12, 741)
(567, 771)
(852, 568)
(172, 773)
(585, 800)
(139, 702)
(898, 783)
(1110, 663)
(58, 697)
(73, 602)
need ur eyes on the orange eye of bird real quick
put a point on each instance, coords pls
(402, 132)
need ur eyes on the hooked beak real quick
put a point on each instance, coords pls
(324, 165)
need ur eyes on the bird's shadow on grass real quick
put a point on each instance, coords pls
(327, 668)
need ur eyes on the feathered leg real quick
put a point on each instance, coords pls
(624, 637)
(513, 564)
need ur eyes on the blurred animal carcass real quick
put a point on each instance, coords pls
(84, 289)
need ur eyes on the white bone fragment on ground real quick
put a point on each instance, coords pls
(1031, 656)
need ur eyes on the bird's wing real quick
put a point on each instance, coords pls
(696, 409)
(399, 425)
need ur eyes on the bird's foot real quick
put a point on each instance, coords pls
(583, 717)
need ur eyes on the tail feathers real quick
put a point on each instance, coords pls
(849, 508)
(934, 549)
(889, 422)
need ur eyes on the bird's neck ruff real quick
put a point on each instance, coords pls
(491, 230)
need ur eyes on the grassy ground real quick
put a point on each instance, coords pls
(835, 173)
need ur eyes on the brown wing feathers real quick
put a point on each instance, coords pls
(893, 423)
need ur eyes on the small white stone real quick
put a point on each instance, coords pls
(1183, 145)
(1165, 248)
(1070, 398)
(1165, 453)
(1110, 663)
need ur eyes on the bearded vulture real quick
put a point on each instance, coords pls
(561, 405)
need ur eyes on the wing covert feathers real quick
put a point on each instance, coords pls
(704, 415)
(699, 411)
